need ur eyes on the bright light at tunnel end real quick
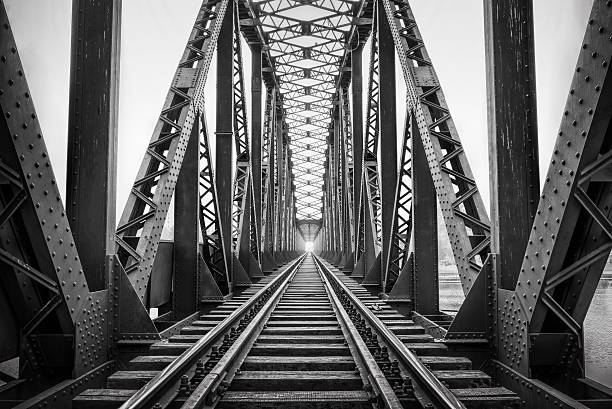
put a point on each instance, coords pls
(309, 246)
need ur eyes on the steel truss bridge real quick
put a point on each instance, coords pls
(246, 318)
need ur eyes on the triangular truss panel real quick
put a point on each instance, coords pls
(140, 226)
(307, 43)
(465, 215)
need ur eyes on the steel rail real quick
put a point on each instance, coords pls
(376, 377)
(147, 396)
(200, 397)
(439, 394)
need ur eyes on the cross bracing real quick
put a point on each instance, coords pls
(91, 310)
(307, 42)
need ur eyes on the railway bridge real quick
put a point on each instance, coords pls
(303, 269)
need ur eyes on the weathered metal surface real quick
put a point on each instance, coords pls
(513, 132)
(91, 174)
(256, 142)
(533, 392)
(308, 135)
(224, 134)
(46, 256)
(160, 287)
(387, 123)
(130, 319)
(570, 237)
(357, 132)
(185, 297)
(477, 317)
(424, 231)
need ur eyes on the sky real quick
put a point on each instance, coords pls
(154, 33)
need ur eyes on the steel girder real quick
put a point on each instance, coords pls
(256, 149)
(245, 243)
(512, 129)
(370, 237)
(213, 252)
(464, 213)
(91, 173)
(140, 226)
(186, 258)
(399, 249)
(347, 169)
(63, 328)
(268, 170)
(571, 237)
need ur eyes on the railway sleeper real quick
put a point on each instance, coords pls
(122, 384)
(473, 387)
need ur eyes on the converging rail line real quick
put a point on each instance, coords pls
(307, 159)
(305, 336)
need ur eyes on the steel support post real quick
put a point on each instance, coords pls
(256, 134)
(269, 173)
(278, 168)
(225, 134)
(92, 134)
(571, 236)
(347, 190)
(513, 139)
(186, 213)
(463, 209)
(388, 132)
(424, 230)
(336, 186)
(357, 100)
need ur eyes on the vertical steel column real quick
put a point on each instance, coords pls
(337, 180)
(92, 134)
(278, 181)
(388, 130)
(424, 229)
(357, 99)
(186, 213)
(271, 176)
(513, 139)
(256, 133)
(225, 134)
(346, 191)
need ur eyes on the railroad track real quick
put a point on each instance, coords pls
(304, 337)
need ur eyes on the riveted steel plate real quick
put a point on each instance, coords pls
(186, 78)
(424, 76)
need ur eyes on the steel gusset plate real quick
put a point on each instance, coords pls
(41, 251)
(571, 235)
(141, 224)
